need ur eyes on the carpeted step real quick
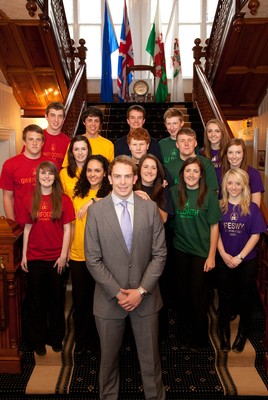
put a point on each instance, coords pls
(206, 375)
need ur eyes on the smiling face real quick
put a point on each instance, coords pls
(234, 187)
(122, 179)
(46, 180)
(235, 155)
(214, 135)
(148, 172)
(95, 173)
(173, 125)
(80, 152)
(135, 119)
(55, 119)
(92, 125)
(191, 176)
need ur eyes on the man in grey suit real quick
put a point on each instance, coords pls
(126, 280)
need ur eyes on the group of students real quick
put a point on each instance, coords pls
(209, 202)
(217, 223)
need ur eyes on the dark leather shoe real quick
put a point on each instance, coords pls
(57, 348)
(40, 350)
(239, 343)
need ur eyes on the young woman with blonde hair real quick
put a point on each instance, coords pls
(240, 229)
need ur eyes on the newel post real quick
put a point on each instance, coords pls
(11, 294)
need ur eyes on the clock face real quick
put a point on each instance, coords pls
(140, 88)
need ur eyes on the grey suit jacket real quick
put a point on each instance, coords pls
(110, 263)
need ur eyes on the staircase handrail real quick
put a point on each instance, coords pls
(75, 102)
(223, 19)
(53, 16)
(205, 100)
(209, 108)
(228, 12)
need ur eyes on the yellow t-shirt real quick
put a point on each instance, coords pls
(77, 248)
(99, 145)
(68, 183)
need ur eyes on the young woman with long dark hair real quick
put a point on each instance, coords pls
(195, 228)
(47, 216)
(151, 184)
(91, 186)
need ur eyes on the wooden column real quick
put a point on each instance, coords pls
(10, 296)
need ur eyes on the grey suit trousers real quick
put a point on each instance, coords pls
(145, 330)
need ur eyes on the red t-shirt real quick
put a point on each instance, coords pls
(55, 147)
(46, 235)
(18, 175)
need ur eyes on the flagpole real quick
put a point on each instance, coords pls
(177, 92)
(155, 47)
(125, 58)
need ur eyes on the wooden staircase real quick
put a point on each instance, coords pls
(115, 124)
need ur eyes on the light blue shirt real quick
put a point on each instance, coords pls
(119, 207)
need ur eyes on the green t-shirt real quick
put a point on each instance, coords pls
(174, 168)
(191, 226)
(169, 150)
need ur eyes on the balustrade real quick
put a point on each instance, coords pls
(11, 296)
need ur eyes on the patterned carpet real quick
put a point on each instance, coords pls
(207, 374)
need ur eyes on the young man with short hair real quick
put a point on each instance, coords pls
(92, 118)
(138, 142)
(19, 172)
(56, 142)
(174, 121)
(136, 116)
(126, 266)
(186, 143)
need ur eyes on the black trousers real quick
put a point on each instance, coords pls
(236, 286)
(83, 286)
(192, 297)
(45, 320)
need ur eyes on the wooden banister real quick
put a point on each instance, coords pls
(205, 100)
(228, 12)
(75, 101)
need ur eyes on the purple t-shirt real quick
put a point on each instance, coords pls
(236, 229)
(255, 181)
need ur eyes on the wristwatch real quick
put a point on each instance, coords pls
(143, 292)
(141, 88)
(240, 257)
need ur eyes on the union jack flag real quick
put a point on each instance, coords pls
(126, 57)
